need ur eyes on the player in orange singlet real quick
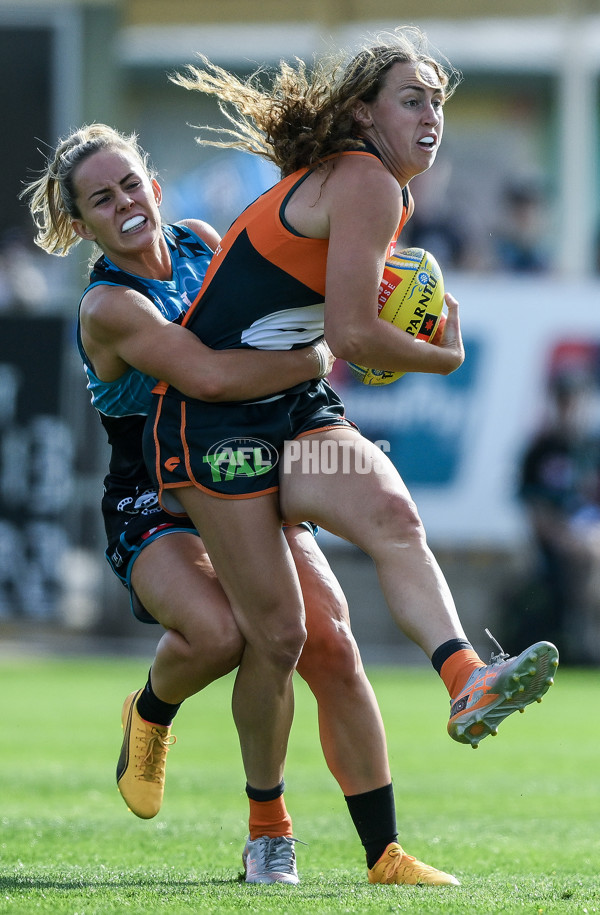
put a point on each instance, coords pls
(348, 141)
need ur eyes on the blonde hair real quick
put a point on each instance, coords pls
(301, 116)
(52, 196)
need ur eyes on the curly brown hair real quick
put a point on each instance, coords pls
(301, 115)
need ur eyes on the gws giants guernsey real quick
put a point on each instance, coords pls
(265, 287)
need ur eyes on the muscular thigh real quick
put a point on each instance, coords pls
(175, 581)
(343, 482)
(251, 558)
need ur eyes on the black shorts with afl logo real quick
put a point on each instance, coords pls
(232, 450)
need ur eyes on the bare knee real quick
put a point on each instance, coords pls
(281, 645)
(330, 656)
(202, 655)
(330, 652)
(396, 520)
(288, 644)
(225, 649)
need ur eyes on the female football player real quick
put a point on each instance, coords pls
(306, 258)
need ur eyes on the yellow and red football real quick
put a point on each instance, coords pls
(411, 296)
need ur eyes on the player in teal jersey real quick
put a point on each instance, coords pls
(98, 186)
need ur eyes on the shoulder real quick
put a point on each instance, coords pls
(362, 185)
(102, 297)
(364, 175)
(105, 309)
(203, 230)
(367, 163)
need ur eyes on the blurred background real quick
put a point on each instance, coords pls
(502, 457)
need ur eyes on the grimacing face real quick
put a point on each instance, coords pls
(117, 201)
(405, 122)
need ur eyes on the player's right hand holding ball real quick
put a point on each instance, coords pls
(448, 333)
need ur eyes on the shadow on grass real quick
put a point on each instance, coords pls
(81, 883)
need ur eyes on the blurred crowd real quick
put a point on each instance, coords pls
(515, 240)
(558, 485)
(30, 281)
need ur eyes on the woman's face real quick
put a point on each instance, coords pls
(406, 120)
(118, 202)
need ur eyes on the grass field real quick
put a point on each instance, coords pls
(516, 821)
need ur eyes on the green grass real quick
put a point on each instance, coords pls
(516, 821)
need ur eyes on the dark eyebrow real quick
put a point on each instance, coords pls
(421, 87)
(104, 190)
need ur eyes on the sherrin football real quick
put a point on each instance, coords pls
(411, 296)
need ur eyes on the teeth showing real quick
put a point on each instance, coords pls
(426, 141)
(132, 223)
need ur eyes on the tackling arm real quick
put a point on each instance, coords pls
(121, 328)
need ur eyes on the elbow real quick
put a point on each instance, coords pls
(345, 343)
(210, 390)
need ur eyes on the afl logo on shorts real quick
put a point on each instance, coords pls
(240, 457)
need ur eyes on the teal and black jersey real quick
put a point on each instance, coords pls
(190, 256)
(130, 505)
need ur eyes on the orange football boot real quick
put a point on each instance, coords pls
(141, 766)
(395, 866)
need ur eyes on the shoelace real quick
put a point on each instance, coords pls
(156, 751)
(279, 854)
(501, 655)
(399, 861)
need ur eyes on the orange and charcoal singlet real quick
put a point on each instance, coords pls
(265, 286)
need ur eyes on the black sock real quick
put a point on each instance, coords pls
(268, 794)
(374, 816)
(153, 709)
(448, 648)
